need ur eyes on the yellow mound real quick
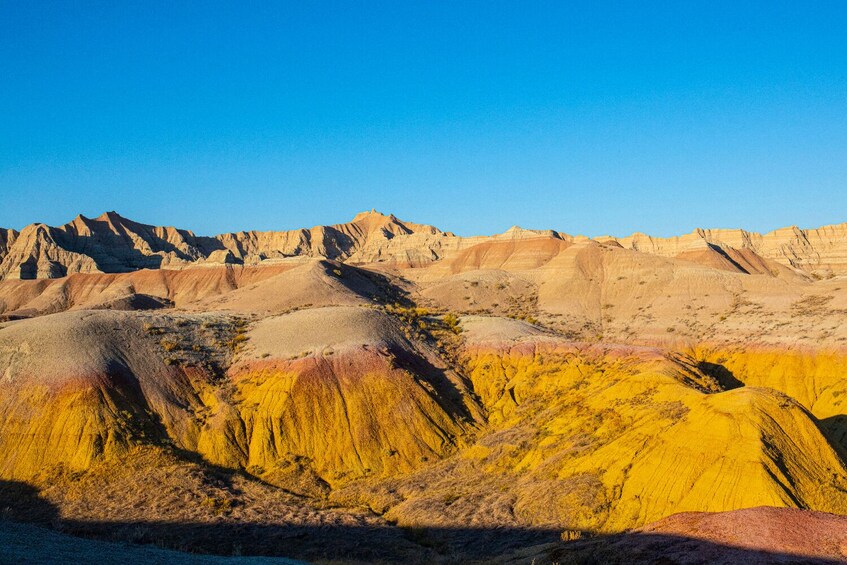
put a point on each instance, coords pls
(345, 389)
(332, 393)
(621, 420)
(604, 438)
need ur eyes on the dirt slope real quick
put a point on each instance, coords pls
(443, 398)
(753, 535)
(346, 394)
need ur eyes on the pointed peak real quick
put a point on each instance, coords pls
(38, 228)
(110, 216)
(372, 214)
(517, 232)
(79, 224)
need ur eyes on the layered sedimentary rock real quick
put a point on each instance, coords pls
(822, 250)
(7, 239)
(518, 384)
(107, 244)
(629, 422)
(113, 244)
(337, 392)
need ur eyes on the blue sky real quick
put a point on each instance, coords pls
(592, 118)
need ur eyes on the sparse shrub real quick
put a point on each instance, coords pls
(219, 506)
(452, 322)
(152, 329)
(571, 535)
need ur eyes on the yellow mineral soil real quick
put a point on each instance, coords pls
(336, 392)
(651, 446)
(603, 438)
(526, 379)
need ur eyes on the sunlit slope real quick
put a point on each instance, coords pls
(305, 283)
(605, 437)
(622, 417)
(599, 291)
(83, 385)
(27, 298)
(268, 289)
(761, 535)
(360, 398)
(348, 389)
(816, 378)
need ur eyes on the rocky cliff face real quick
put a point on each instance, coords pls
(7, 239)
(106, 244)
(822, 251)
(370, 237)
(113, 244)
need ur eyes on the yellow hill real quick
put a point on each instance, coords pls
(604, 438)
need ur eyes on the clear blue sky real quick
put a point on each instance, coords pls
(586, 117)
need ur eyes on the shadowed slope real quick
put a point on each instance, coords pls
(260, 521)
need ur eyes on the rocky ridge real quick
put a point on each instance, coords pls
(111, 243)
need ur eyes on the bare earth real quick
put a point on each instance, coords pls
(384, 391)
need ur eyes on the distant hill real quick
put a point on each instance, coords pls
(111, 243)
(382, 391)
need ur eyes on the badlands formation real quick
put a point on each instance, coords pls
(383, 391)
